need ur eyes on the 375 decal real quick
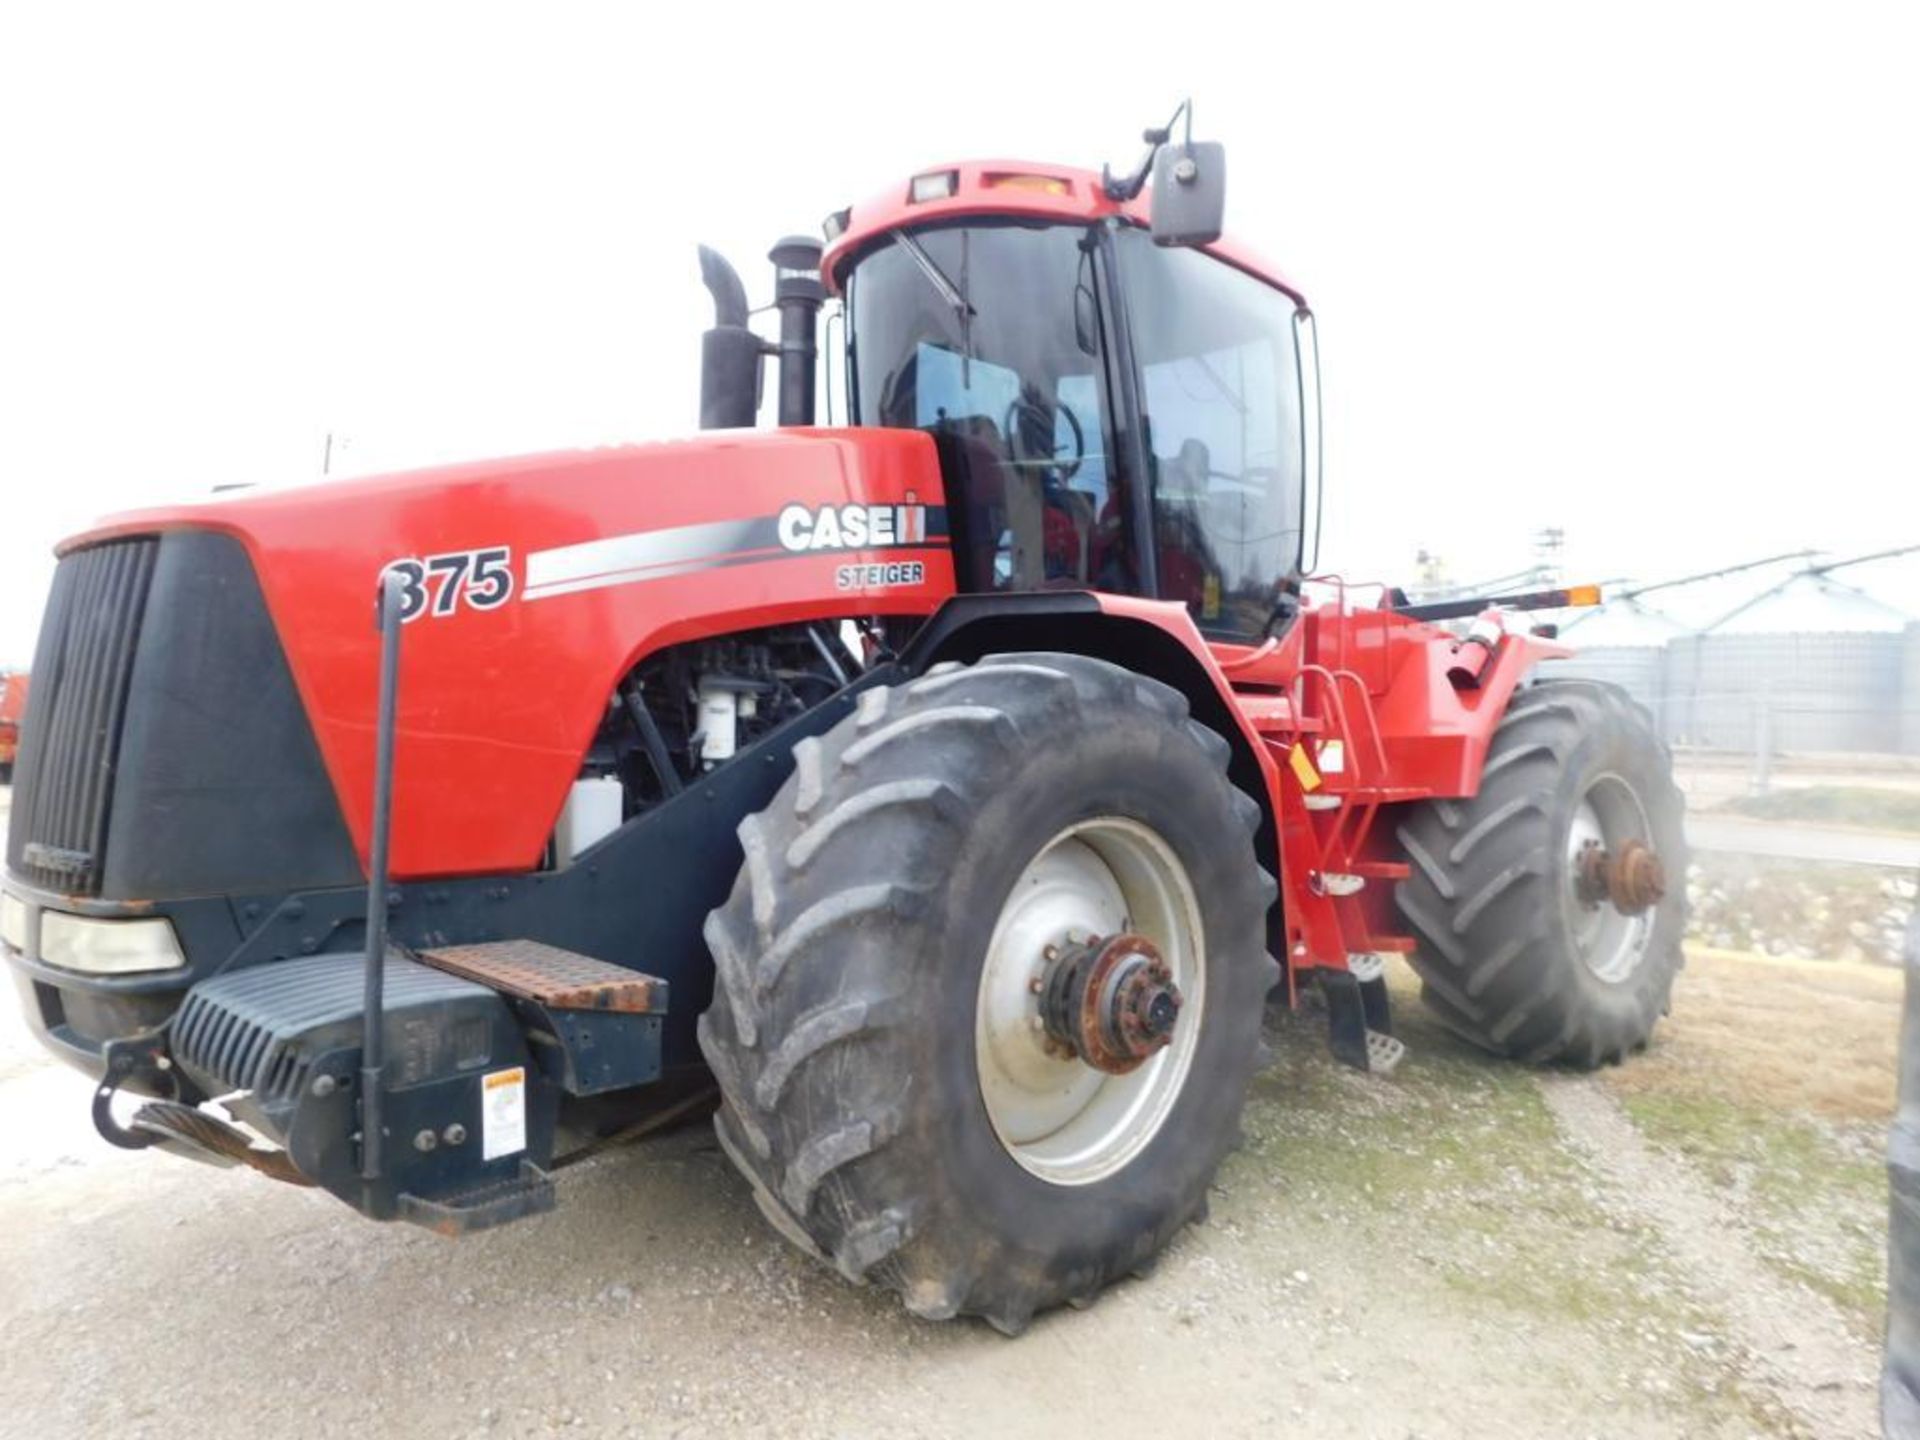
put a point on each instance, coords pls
(438, 585)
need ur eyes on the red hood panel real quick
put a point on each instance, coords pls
(611, 554)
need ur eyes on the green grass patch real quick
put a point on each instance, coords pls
(1835, 805)
(1456, 1162)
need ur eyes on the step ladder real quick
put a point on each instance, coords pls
(1328, 838)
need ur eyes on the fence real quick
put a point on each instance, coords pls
(1808, 693)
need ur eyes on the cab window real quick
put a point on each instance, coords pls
(1220, 399)
(985, 336)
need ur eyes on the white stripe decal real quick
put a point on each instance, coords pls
(682, 549)
(642, 555)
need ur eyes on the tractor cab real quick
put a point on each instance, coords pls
(1119, 401)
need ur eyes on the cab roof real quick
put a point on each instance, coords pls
(1021, 189)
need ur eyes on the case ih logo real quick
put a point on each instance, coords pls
(682, 549)
(852, 527)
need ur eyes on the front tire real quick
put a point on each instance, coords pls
(886, 1092)
(1519, 950)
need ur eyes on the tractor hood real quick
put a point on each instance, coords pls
(534, 585)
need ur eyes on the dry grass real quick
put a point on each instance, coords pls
(1816, 1038)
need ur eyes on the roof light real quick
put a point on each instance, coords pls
(935, 185)
(1038, 184)
(1583, 595)
(835, 225)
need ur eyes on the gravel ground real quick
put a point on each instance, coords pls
(1460, 1250)
(1424, 1256)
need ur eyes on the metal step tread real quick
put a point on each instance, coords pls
(1366, 966)
(547, 975)
(1274, 715)
(1384, 1053)
(1391, 944)
(531, 1192)
(1378, 794)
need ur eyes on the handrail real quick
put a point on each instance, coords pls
(373, 1034)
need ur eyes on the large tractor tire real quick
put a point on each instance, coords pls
(971, 890)
(1549, 908)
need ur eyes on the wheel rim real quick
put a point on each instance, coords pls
(1611, 942)
(1060, 1118)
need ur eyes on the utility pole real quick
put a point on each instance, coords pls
(1549, 547)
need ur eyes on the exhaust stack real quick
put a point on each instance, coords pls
(729, 352)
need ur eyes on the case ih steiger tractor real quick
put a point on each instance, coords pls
(952, 789)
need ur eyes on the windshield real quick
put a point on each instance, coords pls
(987, 336)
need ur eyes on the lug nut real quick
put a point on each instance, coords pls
(455, 1133)
(425, 1141)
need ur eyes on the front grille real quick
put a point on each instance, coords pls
(70, 738)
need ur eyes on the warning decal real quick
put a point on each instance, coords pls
(1303, 771)
(503, 1113)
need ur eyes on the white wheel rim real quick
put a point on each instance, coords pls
(1609, 943)
(1061, 1119)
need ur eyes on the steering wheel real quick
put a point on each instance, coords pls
(1025, 407)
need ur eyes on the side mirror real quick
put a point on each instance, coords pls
(1086, 314)
(1189, 193)
(730, 353)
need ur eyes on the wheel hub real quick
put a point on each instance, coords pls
(1109, 1001)
(1092, 997)
(1630, 877)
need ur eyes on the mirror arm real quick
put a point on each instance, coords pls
(1129, 188)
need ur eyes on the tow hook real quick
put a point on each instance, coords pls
(1108, 1001)
(133, 1058)
(166, 1119)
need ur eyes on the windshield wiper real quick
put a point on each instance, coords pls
(954, 295)
(936, 277)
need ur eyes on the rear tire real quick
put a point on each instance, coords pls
(1512, 956)
(849, 990)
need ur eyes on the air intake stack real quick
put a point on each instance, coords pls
(798, 295)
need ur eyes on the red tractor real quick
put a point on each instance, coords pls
(13, 704)
(952, 789)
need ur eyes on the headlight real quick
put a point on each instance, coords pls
(108, 947)
(13, 922)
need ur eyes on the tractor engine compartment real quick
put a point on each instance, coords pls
(688, 709)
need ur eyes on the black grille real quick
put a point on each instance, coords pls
(239, 1050)
(259, 1029)
(69, 741)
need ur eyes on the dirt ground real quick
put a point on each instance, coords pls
(1689, 1245)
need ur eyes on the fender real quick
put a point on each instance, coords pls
(1157, 638)
(1436, 736)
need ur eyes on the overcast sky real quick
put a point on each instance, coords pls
(1647, 273)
